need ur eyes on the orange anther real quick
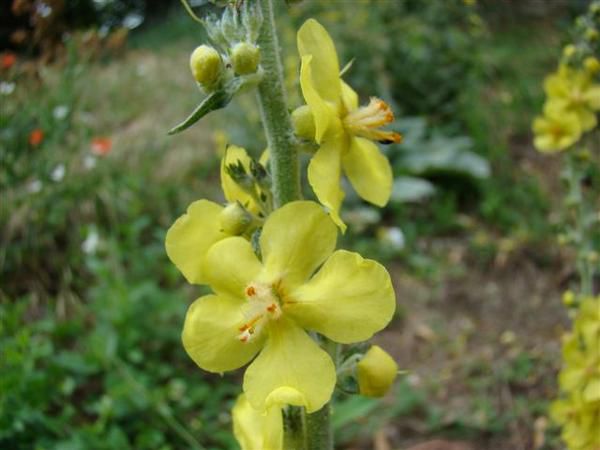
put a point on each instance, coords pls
(250, 291)
(272, 307)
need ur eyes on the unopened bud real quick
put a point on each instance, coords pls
(245, 58)
(591, 34)
(569, 50)
(304, 122)
(234, 219)
(592, 65)
(568, 298)
(376, 372)
(207, 66)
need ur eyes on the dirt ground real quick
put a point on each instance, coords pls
(484, 345)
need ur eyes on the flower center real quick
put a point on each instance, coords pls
(263, 305)
(366, 121)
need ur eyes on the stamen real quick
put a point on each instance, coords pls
(263, 305)
(366, 120)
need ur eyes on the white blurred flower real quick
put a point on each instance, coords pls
(58, 173)
(90, 245)
(392, 237)
(34, 186)
(89, 162)
(60, 112)
(43, 10)
(132, 20)
(7, 87)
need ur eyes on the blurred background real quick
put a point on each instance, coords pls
(91, 309)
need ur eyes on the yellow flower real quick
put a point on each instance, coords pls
(266, 306)
(192, 234)
(249, 198)
(556, 130)
(344, 130)
(575, 92)
(257, 430)
(376, 372)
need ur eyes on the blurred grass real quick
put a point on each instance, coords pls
(90, 338)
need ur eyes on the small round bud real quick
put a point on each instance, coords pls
(591, 34)
(304, 123)
(592, 65)
(234, 219)
(245, 58)
(568, 298)
(376, 372)
(569, 51)
(207, 66)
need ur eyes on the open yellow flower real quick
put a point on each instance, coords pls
(556, 130)
(344, 130)
(574, 92)
(266, 306)
(192, 234)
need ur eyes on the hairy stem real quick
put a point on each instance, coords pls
(579, 224)
(318, 429)
(275, 115)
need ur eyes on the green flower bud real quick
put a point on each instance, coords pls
(245, 58)
(376, 372)
(234, 219)
(304, 123)
(207, 66)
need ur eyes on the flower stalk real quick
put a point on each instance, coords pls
(274, 113)
(313, 431)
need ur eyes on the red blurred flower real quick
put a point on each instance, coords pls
(101, 146)
(7, 60)
(36, 137)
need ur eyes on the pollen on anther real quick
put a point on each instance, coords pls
(272, 307)
(250, 291)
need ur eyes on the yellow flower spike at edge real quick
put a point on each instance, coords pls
(376, 372)
(190, 237)
(578, 412)
(573, 91)
(264, 307)
(556, 130)
(344, 130)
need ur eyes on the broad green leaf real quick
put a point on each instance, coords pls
(411, 189)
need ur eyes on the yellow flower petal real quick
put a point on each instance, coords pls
(190, 237)
(314, 40)
(323, 113)
(369, 171)
(348, 300)
(324, 171)
(210, 334)
(592, 97)
(296, 239)
(257, 430)
(349, 97)
(230, 266)
(290, 359)
(231, 189)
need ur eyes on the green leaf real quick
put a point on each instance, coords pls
(217, 100)
(354, 408)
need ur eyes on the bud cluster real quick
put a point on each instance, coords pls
(236, 32)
